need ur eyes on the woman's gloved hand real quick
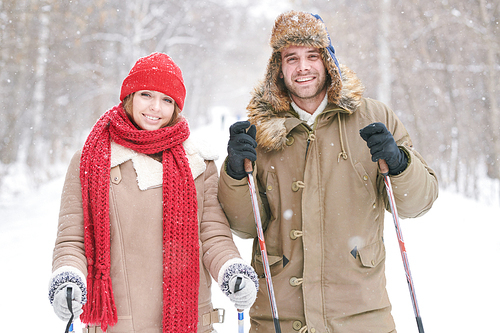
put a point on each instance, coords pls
(60, 303)
(239, 282)
(63, 278)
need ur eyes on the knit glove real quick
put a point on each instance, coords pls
(383, 146)
(60, 303)
(241, 145)
(61, 279)
(236, 273)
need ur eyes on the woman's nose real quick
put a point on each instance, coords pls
(155, 104)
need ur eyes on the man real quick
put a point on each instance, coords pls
(322, 197)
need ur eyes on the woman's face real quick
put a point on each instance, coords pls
(152, 110)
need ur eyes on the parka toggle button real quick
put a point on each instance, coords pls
(303, 329)
(298, 185)
(294, 234)
(295, 281)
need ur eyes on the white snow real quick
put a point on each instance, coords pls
(451, 251)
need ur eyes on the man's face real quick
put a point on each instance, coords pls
(304, 74)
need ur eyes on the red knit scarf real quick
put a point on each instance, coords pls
(180, 224)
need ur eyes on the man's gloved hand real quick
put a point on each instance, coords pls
(383, 146)
(241, 145)
(60, 303)
(245, 296)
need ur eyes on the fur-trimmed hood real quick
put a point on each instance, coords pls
(270, 102)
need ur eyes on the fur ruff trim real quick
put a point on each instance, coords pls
(150, 171)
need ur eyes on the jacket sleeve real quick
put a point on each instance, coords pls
(217, 241)
(69, 249)
(234, 196)
(416, 188)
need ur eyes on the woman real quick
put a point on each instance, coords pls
(140, 227)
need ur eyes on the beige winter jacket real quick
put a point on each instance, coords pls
(136, 235)
(322, 206)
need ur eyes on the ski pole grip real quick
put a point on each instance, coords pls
(384, 168)
(248, 166)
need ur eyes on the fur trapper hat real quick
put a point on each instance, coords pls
(302, 29)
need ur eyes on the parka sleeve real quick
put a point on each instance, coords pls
(234, 196)
(217, 241)
(416, 188)
(69, 249)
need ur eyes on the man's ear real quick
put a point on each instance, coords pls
(281, 74)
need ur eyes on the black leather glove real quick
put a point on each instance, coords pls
(382, 146)
(241, 145)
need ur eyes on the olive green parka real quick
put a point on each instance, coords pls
(322, 204)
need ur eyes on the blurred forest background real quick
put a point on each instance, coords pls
(435, 63)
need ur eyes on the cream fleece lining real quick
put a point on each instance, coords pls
(150, 171)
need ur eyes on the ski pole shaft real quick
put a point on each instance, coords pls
(237, 287)
(241, 324)
(384, 168)
(262, 243)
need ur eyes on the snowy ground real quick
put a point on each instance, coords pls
(449, 251)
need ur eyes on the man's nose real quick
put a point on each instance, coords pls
(303, 65)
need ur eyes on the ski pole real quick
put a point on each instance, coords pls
(241, 327)
(262, 243)
(384, 168)
(69, 297)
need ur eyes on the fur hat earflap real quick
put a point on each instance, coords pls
(302, 29)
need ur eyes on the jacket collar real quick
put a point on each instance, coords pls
(272, 125)
(150, 171)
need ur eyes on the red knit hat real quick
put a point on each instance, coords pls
(156, 72)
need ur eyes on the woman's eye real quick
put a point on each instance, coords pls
(145, 94)
(168, 100)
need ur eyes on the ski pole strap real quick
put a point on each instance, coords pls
(237, 284)
(69, 296)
